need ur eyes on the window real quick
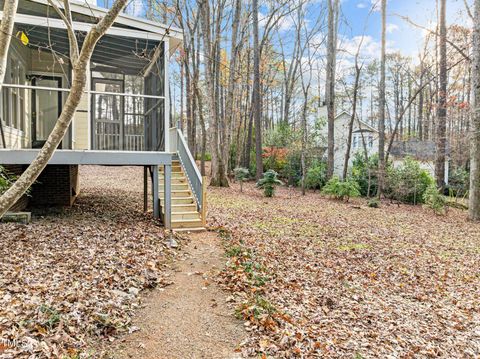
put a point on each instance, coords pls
(355, 141)
(370, 141)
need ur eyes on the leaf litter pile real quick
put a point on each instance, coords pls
(313, 277)
(74, 275)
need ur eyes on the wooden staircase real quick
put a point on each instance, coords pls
(185, 216)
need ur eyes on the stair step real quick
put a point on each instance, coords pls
(176, 186)
(189, 207)
(192, 229)
(178, 193)
(179, 200)
(185, 215)
(174, 170)
(174, 175)
(186, 223)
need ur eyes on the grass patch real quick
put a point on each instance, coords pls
(353, 246)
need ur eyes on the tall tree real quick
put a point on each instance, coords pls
(257, 106)
(381, 105)
(330, 81)
(441, 136)
(211, 45)
(474, 200)
(79, 59)
(6, 33)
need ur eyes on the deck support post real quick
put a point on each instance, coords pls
(155, 189)
(168, 196)
(145, 189)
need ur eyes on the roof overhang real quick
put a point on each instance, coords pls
(138, 27)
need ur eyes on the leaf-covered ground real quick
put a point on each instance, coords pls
(75, 275)
(318, 278)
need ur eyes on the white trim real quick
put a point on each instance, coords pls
(166, 101)
(82, 7)
(30, 87)
(89, 106)
(82, 26)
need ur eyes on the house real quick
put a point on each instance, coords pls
(123, 118)
(364, 138)
(421, 151)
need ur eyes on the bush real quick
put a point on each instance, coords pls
(316, 176)
(459, 182)
(364, 172)
(434, 200)
(408, 182)
(269, 182)
(341, 190)
(241, 174)
(274, 158)
(373, 203)
(6, 180)
(292, 171)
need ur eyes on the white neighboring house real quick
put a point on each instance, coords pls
(421, 151)
(364, 136)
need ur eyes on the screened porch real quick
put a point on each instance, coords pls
(124, 104)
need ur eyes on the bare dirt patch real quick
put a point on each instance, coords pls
(190, 318)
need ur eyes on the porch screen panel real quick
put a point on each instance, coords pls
(155, 108)
(134, 120)
(108, 115)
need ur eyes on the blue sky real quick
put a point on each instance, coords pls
(400, 34)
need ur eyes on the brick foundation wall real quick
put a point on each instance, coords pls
(22, 203)
(57, 185)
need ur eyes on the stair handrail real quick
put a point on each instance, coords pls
(192, 172)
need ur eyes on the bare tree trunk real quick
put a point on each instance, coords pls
(381, 103)
(232, 79)
(420, 105)
(257, 106)
(330, 83)
(442, 105)
(6, 33)
(474, 200)
(28, 177)
(358, 70)
(218, 169)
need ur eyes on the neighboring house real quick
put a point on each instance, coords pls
(364, 137)
(123, 118)
(421, 151)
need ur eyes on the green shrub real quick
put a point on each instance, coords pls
(269, 182)
(459, 182)
(373, 203)
(6, 180)
(292, 171)
(208, 157)
(316, 176)
(364, 172)
(341, 190)
(434, 200)
(407, 183)
(241, 174)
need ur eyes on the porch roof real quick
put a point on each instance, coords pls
(129, 55)
(39, 12)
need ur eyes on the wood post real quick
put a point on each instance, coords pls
(145, 189)
(155, 189)
(167, 192)
(204, 200)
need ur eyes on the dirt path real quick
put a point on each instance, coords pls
(190, 318)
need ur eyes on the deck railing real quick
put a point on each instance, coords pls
(179, 145)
